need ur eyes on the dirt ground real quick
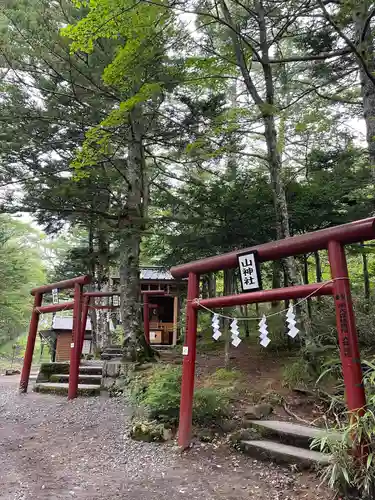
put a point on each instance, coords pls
(52, 449)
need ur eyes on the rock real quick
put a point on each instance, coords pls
(12, 372)
(243, 435)
(227, 426)
(205, 435)
(257, 412)
(168, 434)
(108, 383)
(140, 367)
(150, 431)
(112, 369)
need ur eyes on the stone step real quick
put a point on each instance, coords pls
(83, 378)
(62, 388)
(107, 356)
(285, 454)
(91, 369)
(291, 433)
(91, 362)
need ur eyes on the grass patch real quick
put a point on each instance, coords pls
(225, 381)
(297, 373)
(210, 405)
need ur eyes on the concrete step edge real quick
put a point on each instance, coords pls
(62, 388)
(282, 453)
(292, 433)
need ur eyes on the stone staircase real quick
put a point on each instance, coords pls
(287, 443)
(112, 352)
(54, 378)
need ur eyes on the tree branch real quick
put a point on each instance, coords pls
(347, 40)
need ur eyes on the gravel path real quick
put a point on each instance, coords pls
(52, 449)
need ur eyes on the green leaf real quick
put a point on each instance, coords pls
(369, 460)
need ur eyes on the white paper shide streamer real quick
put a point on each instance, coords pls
(263, 328)
(216, 327)
(291, 321)
(236, 341)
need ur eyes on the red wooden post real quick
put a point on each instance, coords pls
(347, 333)
(188, 367)
(33, 329)
(146, 317)
(74, 351)
(85, 312)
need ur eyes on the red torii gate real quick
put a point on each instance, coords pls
(80, 305)
(332, 239)
(76, 345)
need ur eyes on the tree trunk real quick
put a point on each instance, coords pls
(246, 315)
(306, 281)
(131, 227)
(130, 287)
(103, 331)
(318, 270)
(279, 198)
(257, 310)
(244, 310)
(205, 287)
(211, 285)
(366, 48)
(92, 312)
(366, 278)
(318, 267)
(276, 280)
(228, 290)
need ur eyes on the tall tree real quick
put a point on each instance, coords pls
(21, 269)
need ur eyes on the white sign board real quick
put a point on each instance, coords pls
(249, 272)
(55, 296)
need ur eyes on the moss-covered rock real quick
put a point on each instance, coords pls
(150, 431)
(256, 412)
(243, 435)
(206, 435)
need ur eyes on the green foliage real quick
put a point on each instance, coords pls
(210, 405)
(347, 473)
(297, 373)
(223, 375)
(161, 394)
(20, 269)
(224, 381)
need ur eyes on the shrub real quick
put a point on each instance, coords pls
(347, 473)
(162, 394)
(210, 405)
(297, 373)
(159, 393)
